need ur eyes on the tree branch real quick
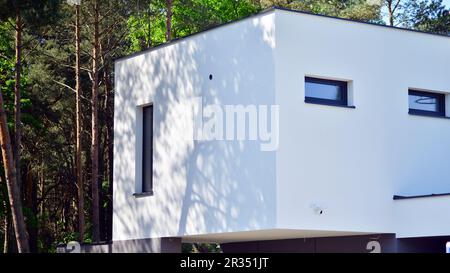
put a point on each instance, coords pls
(396, 6)
(70, 88)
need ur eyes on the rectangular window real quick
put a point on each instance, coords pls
(147, 149)
(426, 103)
(329, 92)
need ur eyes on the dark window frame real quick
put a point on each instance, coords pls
(343, 85)
(438, 96)
(147, 163)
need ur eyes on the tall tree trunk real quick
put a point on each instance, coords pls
(5, 220)
(169, 20)
(30, 199)
(392, 6)
(78, 163)
(11, 182)
(109, 101)
(41, 189)
(17, 98)
(107, 146)
(95, 129)
(5, 227)
(390, 13)
(12, 242)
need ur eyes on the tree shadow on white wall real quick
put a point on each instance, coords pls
(200, 186)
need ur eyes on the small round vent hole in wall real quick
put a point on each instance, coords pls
(210, 76)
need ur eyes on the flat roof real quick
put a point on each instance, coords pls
(271, 9)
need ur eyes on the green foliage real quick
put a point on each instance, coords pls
(431, 16)
(200, 248)
(148, 26)
(361, 10)
(7, 81)
(30, 217)
(7, 64)
(63, 238)
(7, 69)
(35, 13)
(105, 188)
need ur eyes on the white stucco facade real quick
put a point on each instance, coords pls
(349, 162)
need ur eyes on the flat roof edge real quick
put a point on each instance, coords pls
(268, 10)
(176, 40)
(360, 22)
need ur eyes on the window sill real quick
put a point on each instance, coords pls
(143, 194)
(427, 115)
(330, 104)
(401, 197)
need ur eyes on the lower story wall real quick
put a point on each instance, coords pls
(386, 243)
(423, 244)
(151, 245)
(379, 243)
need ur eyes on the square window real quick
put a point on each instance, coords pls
(426, 103)
(329, 92)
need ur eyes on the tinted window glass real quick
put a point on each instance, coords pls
(426, 103)
(423, 103)
(325, 91)
(147, 149)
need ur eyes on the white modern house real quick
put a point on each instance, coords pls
(288, 132)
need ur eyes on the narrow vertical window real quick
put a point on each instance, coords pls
(147, 149)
